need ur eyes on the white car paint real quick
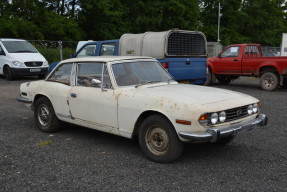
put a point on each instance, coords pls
(117, 110)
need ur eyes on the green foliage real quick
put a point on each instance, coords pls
(53, 54)
(243, 21)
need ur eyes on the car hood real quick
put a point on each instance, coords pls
(194, 94)
(24, 57)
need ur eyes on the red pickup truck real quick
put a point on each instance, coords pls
(247, 60)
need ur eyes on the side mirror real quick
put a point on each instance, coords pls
(73, 55)
(219, 55)
(96, 83)
(2, 52)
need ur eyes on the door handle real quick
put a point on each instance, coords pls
(187, 62)
(74, 95)
(235, 60)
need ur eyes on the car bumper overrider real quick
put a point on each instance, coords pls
(214, 134)
(23, 99)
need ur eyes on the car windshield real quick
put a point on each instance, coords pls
(139, 73)
(19, 47)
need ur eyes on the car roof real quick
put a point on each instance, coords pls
(104, 58)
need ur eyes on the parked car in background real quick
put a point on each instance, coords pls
(135, 97)
(18, 57)
(247, 60)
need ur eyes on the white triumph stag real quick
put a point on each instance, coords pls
(135, 96)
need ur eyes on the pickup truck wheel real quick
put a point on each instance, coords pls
(269, 81)
(8, 73)
(209, 78)
(223, 79)
(224, 141)
(45, 117)
(158, 140)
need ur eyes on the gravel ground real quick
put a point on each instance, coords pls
(80, 159)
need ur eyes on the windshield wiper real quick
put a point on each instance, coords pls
(146, 82)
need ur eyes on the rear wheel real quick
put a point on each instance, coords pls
(209, 78)
(269, 81)
(158, 140)
(8, 73)
(223, 79)
(45, 117)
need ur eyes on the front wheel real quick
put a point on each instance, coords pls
(158, 140)
(269, 81)
(45, 117)
(8, 73)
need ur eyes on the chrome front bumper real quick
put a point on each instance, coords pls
(214, 134)
(23, 99)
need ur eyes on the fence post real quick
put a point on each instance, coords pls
(61, 50)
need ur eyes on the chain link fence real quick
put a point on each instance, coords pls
(55, 50)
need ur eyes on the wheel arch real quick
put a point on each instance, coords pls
(36, 98)
(268, 68)
(143, 116)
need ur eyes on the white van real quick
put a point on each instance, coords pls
(18, 57)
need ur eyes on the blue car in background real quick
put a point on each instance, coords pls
(183, 53)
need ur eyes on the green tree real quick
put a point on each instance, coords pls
(265, 21)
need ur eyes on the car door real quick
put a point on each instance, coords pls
(229, 61)
(92, 100)
(58, 86)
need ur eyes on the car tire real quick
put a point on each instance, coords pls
(222, 79)
(225, 140)
(8, 73)
(158, 140)
(41, 76)
(209, 78)
(269, 81)
(45, 117)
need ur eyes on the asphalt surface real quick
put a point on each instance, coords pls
(80, 159)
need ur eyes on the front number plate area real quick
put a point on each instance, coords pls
(35, 70)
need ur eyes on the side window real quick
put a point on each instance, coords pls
(88, 72)
(89, 50)
(62, 74)
(108, 49)
(231, 52)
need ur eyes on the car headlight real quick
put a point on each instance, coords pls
(18, 63)
(214, 118)
(222, 116)
(255, 108)
(250, 109)
(45, 63)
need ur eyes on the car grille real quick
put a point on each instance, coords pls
(34, 64)
(236, 113)
(186, 44)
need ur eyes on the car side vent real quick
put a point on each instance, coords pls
(186, 44)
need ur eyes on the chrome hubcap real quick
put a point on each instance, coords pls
(43, 115)
(157, 140)
(269, 82)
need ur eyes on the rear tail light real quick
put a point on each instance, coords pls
(165, 65)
